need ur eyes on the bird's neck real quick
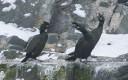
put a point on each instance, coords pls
(84, 31)
(42, 31)
(101, 24)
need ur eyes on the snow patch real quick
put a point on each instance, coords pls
(70, 50)
(12, 6)
(33, 4)
(20, 79)
(47, 56)
(59, 45)
(11, 29)
(53, 50)
(65, 3)
(78, 11)
(117, 45)
(77, 31)
(29, 70)
(27, 14)
(2, 75)
(8, 1)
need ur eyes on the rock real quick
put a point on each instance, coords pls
(104, 4)
(63, 70)
(28, 13)
(3, 42)
(14, 40)
(12, 54)
(121, 58)
(52, 38)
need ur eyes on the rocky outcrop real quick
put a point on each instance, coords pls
(62, 70)
(31, 13)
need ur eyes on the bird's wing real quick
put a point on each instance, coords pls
(32, 43)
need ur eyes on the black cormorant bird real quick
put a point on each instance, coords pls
(86, 44)
(36, 43)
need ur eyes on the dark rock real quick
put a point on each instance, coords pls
(122, 1)
(14, 40)
(16, 47)
(104, 4)
(53, 38)
(12, 54)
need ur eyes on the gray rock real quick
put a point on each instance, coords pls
(63, 70)
(12, 54)
(3, 42)
(14, 40)
(53, 38)
(104, 4)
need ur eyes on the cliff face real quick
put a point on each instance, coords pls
(31, 13)
(62, 70)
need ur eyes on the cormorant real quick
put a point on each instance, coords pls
(86, 44)
(36, 43)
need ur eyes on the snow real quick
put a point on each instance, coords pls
(33, 4)
(65, 3)
(29, 70)
(11, 29)
(59, 45)
(2, 75)
(20, 79)
(27, 14)
(118, 45)
(47, 56)
(78, 11)
(12, 6)
(77, 31)
(8, 1)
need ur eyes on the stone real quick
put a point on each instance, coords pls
(62, 70)
(104, 4)
(52, 38)
(14, 40)
(12, 54)
(3, 42)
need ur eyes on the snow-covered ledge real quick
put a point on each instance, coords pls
(59, 69)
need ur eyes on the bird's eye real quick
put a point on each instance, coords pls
(77, 27)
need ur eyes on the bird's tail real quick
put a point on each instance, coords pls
(25, 59)
(72, 58)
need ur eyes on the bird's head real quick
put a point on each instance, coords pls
(77, 26)
(44, 26)
(100, 17)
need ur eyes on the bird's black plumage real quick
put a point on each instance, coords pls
(86, 43)
(98, 31)
(122, 1)
(36, 43)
